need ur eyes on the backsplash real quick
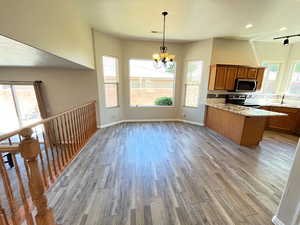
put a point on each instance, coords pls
(255, 98)
(263, 98)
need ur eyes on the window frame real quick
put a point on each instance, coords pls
(186, 84)
(278, 78)
(110, 83)
(290, 77)
(16, 103)
(151, 106)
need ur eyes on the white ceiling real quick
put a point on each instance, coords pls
(193, 19)
(14, 53)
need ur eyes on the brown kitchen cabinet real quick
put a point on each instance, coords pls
(259, 77)
(242, 72)
(230, 78)
(252, 73)
(290, 123)
(223, 77)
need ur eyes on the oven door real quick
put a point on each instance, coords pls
(245, 85)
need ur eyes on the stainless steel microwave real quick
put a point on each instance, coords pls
(245, 85)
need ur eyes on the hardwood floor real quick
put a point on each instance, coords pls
(172, 173)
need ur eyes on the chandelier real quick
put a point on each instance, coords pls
(163, 58)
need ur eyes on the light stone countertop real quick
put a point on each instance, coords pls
(243, 110)
(285, 105)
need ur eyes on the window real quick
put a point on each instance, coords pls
(192, 83)
(294, 87)
(271, 75)
(18, 106)
(150, 86)
(111, 81)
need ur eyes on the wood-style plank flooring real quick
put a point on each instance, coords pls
(172, 173)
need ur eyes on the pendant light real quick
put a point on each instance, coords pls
(163, 58)
(286, 40)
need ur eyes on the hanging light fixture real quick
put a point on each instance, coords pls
(163, 58)
(286, 40)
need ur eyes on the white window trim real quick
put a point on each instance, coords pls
(116, 83)
(279, 78)
(185, 83)
(291, 68)
(151, 106)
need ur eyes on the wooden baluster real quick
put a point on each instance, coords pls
(9, 194)
(77, 130)
(61, 147)
(54, 143)
(64, 140)
(88, 120)
(80, 127)
(67, 138)
(28, 215)
(46, 146)
(75, 137)
(30, 149)
(3, 217)
(84, 124)
(94, 117)
(42, 161)
(71, 134)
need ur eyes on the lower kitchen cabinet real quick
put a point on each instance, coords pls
(290, 123)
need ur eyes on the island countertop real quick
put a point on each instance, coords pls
(243, 110)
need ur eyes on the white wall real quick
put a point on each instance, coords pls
(109, 46)
(64, 88)
(289, 208)
(54, 26)
(237, 52)
(277, 53)
(202, 51)
(144, 50)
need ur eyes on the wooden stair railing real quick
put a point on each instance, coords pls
(40, 152)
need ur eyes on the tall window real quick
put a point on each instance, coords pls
(111, 81)
(18, 107)
(294, 87)
(192, 82)
(150, 86)
(271, 75)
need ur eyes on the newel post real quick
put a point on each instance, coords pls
(30, 148)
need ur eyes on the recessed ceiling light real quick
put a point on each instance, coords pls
(283, 29)
(249, 25)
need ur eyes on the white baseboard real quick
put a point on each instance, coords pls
(277, 221)
(149, 120)
(111, 124)
(192, 122)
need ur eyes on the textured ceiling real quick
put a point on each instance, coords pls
(14, 53)
(193, 19)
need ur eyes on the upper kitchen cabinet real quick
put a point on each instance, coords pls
(223, 77)
(242, 72)
(260, 77)
(230, 77)
(252, 73)
(217, 78)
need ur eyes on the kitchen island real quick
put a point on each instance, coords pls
(243, 125)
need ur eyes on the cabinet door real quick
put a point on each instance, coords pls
(259, 78)
(286, 123)
(242, 72)
(252, 72)
(230, 78)
(220, 80)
